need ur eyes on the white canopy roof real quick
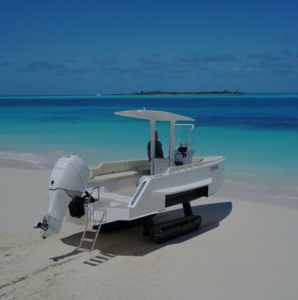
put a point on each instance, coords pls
(153, 115)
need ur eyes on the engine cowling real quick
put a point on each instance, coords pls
(69, 178)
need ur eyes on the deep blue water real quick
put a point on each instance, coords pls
(258, 111)
(257, 133)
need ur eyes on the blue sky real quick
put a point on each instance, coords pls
(89, 47)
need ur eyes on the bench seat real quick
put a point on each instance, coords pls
(113, 177)
(142, 172)
(121, 166)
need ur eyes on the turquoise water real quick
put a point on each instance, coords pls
(257, 133)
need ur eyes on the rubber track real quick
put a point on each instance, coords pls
(168, 230)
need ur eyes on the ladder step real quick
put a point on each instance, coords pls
(87, 240)
(83, 250)
(93, 220)
(87, 228)
(91, 230)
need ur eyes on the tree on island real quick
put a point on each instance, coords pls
(224, 92)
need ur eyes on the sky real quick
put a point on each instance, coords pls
(118, 46)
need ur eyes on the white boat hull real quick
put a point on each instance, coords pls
(153, 197)
(156, 193)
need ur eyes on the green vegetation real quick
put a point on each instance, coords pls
(225, 92)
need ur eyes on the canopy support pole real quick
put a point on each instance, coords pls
(152, 150)
(172, 143)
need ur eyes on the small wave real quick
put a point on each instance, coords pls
(260, 197)
(286, 197)
(42, 162)
(268, 191)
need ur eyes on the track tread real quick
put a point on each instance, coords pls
(168, 230)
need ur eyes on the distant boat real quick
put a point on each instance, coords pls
(97, 94)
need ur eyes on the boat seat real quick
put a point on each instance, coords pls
(113, 171)
(139, 165)
(142, 172)
(113, 177)
(109, 167)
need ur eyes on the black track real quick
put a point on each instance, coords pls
(168, 230)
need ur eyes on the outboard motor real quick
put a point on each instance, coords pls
(68, 180)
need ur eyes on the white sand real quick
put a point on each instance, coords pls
(243, 250)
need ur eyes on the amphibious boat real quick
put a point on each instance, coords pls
(133, 189)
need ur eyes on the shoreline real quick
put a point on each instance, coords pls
(19, 164)
(245, 189)
(230, 188)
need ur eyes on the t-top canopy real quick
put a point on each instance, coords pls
(153, 115)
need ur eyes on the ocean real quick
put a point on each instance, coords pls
(258, 133)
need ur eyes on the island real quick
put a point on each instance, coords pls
(225, 92)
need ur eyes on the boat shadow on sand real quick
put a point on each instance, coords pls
(124, 238)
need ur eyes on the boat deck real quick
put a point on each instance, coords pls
(112, 199)
(106, 203)
(129, 192)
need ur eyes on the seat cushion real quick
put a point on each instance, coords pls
(137, 164)
(144, 171)
(113, 177)
(110, 167)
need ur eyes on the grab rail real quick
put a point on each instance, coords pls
(97, 187)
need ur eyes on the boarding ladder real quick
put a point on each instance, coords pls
(88, 229)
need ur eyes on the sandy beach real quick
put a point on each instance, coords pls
(246, 248)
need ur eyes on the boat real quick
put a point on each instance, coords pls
(134, 189)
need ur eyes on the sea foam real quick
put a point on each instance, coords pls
(42, 162)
